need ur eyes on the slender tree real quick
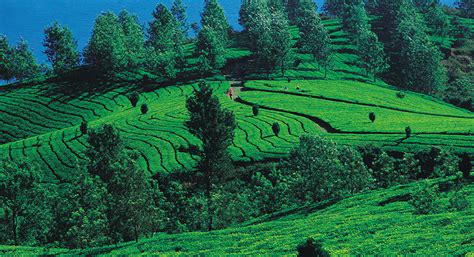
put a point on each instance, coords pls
(179, 12)
(371, 53)
(214, 126)
(315, 39)
(60, 48)
(210, 51)
(354, 18)
(6, 72)
(107, 50)
(466, 7)
(23, 63)
(214, 18)
(134, 39)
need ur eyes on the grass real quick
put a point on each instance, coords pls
(375, 223)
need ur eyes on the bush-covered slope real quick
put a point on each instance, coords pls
(380, 222)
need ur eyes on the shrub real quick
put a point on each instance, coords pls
(408, 132)
(134, 97)
(276, 128)
(83, 127)
(447, 164)
(311, 248)
(144, 108)
(425, 200)
(255, 110)
(401, 95)
(458, 201)
(372, 116)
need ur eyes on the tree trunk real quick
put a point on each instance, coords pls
(325, 71)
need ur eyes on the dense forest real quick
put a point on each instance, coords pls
(231, 119)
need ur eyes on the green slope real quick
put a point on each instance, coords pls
(379, 222)
(40, 120)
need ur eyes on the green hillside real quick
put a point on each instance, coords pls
(380, 222)
(40, 119)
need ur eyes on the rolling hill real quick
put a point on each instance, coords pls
(40, 119)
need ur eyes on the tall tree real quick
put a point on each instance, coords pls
(214, 18)
(354, 18)
(466, 7)
(24, 65)
(314, 38)
(179, 12)
(333, 7)
(214, 126)
(297, 8)
(269, 31)
(166, 41)
(23, 201)
(414, 62)
(6, 72)
(131, 209)
(371, 53)
(134, 39)
(210, 50)
(60, 48)
(107, 49)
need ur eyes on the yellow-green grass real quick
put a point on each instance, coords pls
(375, 223)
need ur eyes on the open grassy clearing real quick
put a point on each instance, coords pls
(379, 222)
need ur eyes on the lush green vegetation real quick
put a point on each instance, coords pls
(380, 222)
(293, 135)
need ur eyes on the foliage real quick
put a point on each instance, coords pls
(23, 64)
(319, 170)
(214, 127)
(269, 29)
(133, 39)
(144, 108)
(276, 128)
(134, 98)
(426, 199)
(311, 248)
(179, 12)
(371, 53)
(255, 110)
(6, 72)
(458, 201)
(61, 48)
(83, 127)
(213, 17)
(107, 48)
(210, 51)
(466, 7)
(23, 201)
(314, 38)
(333, 7)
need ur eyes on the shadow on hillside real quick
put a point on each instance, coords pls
(305, 210)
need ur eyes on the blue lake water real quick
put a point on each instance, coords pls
(28, 18)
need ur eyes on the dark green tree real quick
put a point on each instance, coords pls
(210, 51)
(24, 204)
(333, 7)
(371, 53)
(315, 40)
(214, 127)
(297, 8)
(6, 72)
(272, 40)
(107, 48)
(165, 41)
(179, 12)
(466, 7)
(23, 62)
(134, 39)
(131, 209)
(354, 18)
(60, 48)
(214, 18)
